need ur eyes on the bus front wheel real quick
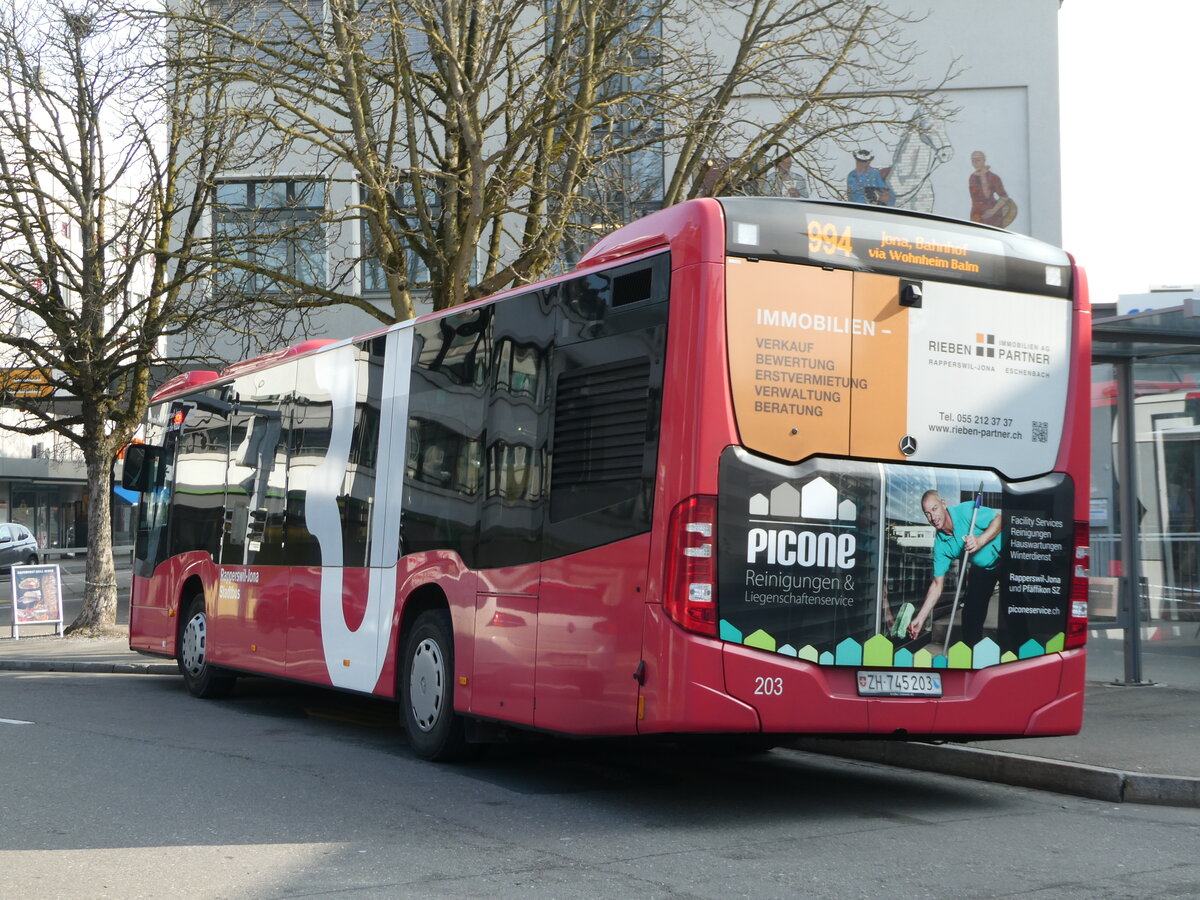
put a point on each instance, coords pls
(427, 689)
(201, 677)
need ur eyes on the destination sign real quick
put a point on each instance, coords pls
(922, 251)
(893, 242)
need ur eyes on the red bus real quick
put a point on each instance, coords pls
(756, 467)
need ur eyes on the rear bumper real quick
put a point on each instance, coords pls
(704, 685)
(1041, 696)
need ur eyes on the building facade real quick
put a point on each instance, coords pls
(42, 486)
(984, 146)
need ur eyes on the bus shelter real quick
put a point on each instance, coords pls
(1145, 534)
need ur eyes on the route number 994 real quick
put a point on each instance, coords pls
(768, 686)
(824, 237)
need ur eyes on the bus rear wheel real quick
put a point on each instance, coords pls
(201, 677)
(435, 732)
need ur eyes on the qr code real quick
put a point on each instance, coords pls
(1041, 432)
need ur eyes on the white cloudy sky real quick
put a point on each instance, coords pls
(1131, 142)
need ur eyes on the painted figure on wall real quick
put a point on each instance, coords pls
(785, 180)
(923, 147)
(990, 203)
(865, 183)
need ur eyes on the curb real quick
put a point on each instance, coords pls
(1078, 779)
(104, 668)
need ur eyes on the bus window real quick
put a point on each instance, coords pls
(198, 508)
(308, 443)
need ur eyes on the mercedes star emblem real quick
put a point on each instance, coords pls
(908, 445)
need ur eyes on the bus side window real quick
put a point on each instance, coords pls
(616, 301)
(584, 306)
(359, 483)
(242, 480)
(308, 442)
(309, 418)
(256, 480)
(199, 491)
(606, 411)
(633, 286)
(452, 359)
(513, 506)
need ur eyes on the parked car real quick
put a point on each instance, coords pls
(18, 547)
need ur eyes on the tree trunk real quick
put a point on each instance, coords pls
(99, 612)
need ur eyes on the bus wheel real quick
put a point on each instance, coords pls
(427, 689)
(201, 677)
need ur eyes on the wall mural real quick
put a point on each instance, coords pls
(973, 165)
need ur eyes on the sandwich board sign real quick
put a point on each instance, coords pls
(37, 597)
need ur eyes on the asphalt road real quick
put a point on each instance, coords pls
(124, 786)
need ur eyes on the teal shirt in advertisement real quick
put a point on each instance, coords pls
(946, 549)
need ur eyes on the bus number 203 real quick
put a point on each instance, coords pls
(770, 687)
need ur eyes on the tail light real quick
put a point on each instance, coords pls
(1077, 616)
(691, 588)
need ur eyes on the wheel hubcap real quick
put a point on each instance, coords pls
(194, 639)
(427, 684)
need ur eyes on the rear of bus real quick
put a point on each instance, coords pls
(833, 370)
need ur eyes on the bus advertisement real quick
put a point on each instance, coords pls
(758, 466)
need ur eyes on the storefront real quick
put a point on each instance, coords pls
(54, 512)
(48, 496)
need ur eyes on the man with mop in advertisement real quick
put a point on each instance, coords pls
(967, 531)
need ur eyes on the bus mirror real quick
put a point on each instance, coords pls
(138, 471)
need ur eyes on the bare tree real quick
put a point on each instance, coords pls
(798, 82)
(459, 136)
(465, 146)
(106, 161)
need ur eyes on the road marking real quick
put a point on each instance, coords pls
(14, 722)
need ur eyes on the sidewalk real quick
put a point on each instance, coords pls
(1138, 744)
(50, 653)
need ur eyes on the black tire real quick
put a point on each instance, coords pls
(201, 677)
(32, 561)
(435, 732)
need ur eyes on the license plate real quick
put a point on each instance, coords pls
(899, 684)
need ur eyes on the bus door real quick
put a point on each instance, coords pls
(152, 626)
(199, 432)
(250, 616)
(338, 611)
